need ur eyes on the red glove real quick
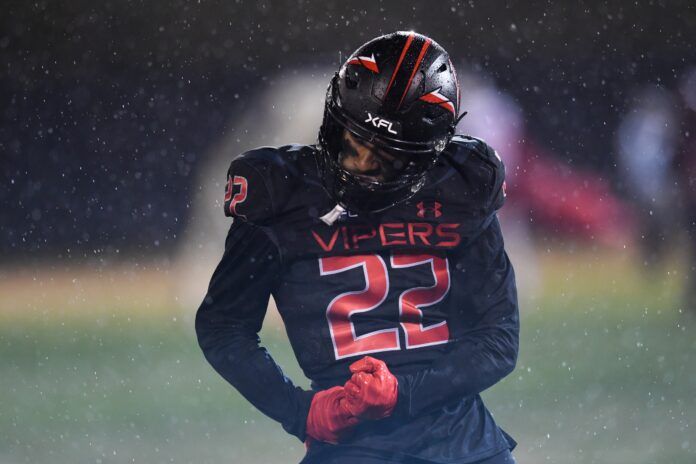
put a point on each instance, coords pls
(372, 391)
(329, 419)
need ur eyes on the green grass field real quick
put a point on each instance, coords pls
(607, 374)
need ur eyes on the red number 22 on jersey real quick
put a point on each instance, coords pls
(342, 307)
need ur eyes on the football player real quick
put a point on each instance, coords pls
(383, 252)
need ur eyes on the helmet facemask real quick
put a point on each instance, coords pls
(401, 175)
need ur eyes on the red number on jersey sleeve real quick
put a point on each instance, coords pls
(236, 198)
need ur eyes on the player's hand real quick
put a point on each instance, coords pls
(372, 390)
(329, 419)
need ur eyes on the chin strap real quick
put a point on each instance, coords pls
(330, 217)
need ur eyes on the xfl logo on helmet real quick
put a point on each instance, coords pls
(380, 123)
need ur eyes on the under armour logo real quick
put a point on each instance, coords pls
(435, 209)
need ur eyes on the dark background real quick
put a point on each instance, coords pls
(108, 110)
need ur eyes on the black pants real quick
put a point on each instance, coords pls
(501, 458)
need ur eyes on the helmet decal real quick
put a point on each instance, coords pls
(366, 62)
(398, 64)
(436, 98)
(412, 56)
(424, 49)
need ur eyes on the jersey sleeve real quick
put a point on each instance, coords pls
(482, 352)
(497, 198)
(228, 322)
(482, 172)
(247, 195)
(495, 175)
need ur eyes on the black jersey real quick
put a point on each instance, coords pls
(425, 286)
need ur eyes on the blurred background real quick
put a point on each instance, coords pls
(118, 120)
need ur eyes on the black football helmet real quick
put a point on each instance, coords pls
(399, 94)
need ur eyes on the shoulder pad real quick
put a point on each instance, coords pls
(260, 181)
(484, 164)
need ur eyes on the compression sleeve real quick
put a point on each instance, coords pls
(228, 322)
